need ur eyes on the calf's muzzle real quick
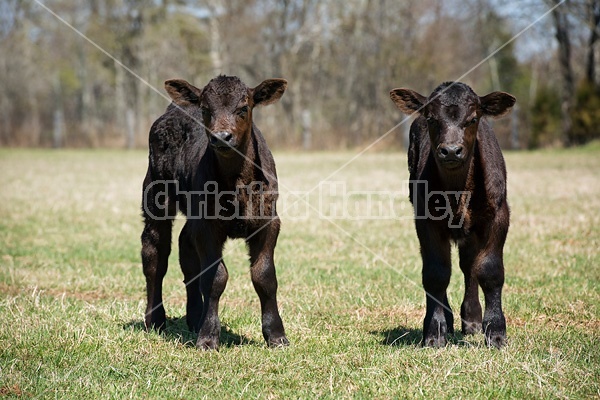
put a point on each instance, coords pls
(451, 153)
(222, 140)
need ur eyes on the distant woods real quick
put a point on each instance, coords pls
(341, 58)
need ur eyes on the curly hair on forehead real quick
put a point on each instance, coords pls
(229, 90)
(452, 93)
(225, 84)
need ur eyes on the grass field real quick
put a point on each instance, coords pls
(72, 290)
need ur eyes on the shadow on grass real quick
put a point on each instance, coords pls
(177, 330)
(402, 337)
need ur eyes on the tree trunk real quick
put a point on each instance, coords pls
(58, 129)
(85, 98)
(120, 104)
(515, 142)
(130, 121)
(5, 135)
(215, 38)
(561, 25)
(306, 130)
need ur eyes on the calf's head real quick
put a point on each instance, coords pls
(226, 104)
(453, 112)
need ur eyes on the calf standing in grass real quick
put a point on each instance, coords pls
(458, 191)
(210, 162)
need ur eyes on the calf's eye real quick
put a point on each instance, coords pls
(432, 122)
(471, 122)
(242, 111)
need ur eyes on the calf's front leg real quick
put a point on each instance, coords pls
(435, 252)
(262, 269)
(213, 280)
(490, 273)
(489, 270)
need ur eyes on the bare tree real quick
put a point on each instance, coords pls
(561, 30)
(593, 7)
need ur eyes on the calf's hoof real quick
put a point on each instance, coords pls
(497, 340)
(156, 320)
(471, 328)
(207, 343)
(276, 342)
(434, 332)
(495, 331)
(434, 341)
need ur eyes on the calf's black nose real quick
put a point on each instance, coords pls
(451, 152)
(222, 138)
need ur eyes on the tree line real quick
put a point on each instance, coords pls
(91, 73)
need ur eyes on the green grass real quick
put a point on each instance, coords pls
(72, 290)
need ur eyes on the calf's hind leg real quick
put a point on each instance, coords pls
(470, 310)
(158, 214)
(190, 266)
(156, 247)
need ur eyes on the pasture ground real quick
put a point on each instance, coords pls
(72, 288)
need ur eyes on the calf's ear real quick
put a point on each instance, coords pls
(497, 104)
(408, 101)
(269, 91)
(182, 92)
